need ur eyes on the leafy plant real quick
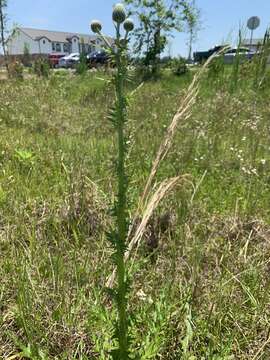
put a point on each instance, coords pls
(24, 155)
(82, 67)
(25, 160)
(15, 70)
(26, 55)
(179, 66)
(41, 68)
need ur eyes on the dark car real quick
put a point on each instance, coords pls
(201, 56)
(100, 57)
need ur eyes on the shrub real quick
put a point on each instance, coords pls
(144, 72)
(26, 60)
(179, 66)
(41, 68)
(16, 70)
(82, 67)
(166, 61)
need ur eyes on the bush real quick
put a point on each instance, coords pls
(15, 70)
(42, 68)
(165, 61)
(82, 67)
(143, 72)
(26, 59)
(179, 66)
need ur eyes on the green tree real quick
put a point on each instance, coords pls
(3, 24)
(157, 20)
(192, 18)
(26, 55)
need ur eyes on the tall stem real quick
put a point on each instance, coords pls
(121, 207)
(2, 30)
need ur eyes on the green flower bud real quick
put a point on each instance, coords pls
(119, 13)
(128, 25)
(96, 26)
(123, 42)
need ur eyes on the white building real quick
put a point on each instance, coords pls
(47, 42)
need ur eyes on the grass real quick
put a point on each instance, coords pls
(202, 290)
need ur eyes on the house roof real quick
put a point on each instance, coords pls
(57, 36)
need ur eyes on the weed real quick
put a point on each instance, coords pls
(118, 237)
(41, 68)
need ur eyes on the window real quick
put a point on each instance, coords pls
(58, 47)
(53, 46)
(74, 40)
(44, 41)
(66, 47)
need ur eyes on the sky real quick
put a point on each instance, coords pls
(221, 19)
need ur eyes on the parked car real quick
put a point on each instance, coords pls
(69, 60)
(243, 53)
(201, 56)
(95, 58)
(54, 59)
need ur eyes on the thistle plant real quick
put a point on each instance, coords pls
(118, 235)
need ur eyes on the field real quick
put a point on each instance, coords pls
(200, 284)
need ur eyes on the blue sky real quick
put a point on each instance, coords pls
(221, 18)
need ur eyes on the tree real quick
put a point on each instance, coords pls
(3, 23)
(26, 55)
(157, 19)
(192, 18)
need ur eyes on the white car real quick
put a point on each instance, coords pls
(69, 60)
(242, 52)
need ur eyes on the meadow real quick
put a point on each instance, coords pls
(200, 279)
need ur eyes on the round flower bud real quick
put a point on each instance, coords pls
(119, 13)
(128, 25)
(123, 42)
(96, 26)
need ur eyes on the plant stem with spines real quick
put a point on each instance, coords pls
(121, 208)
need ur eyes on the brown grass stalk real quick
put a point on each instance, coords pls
(164, 188)
(148, 206)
